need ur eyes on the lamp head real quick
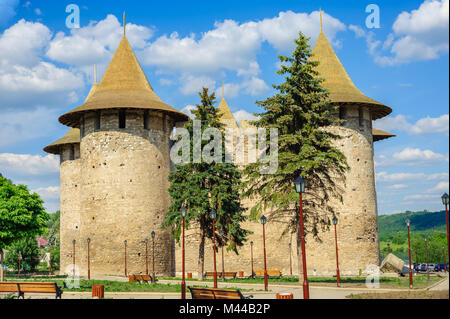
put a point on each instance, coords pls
(445, 199)
(299, 185)
(183, 211)
(335, 220)
(251, 243)
(88, 240)
(153, 234)
(408, 222)
(263, 219)
(213, 214)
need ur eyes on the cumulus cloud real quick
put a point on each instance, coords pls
(416, 154)
(50, 192)
(398, 186)
(419, 35)
(188, 110)
(396, 177)
(427, 125)
(440, 187)
(27, 164)
(243, 115)
(192, 84)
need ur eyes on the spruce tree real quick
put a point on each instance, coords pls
(201, 187)
(302, 112)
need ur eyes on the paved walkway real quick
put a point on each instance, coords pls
(440, 286)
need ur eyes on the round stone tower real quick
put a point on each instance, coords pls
(124, 129)
(68, 148)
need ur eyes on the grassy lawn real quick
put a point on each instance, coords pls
(420, 281)
(403, 295)
(110, 286)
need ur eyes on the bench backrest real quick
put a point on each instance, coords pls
(214, 293)
(8, 287)
(146, 278)
(275, 273)
(138, 277)
(38, 287)
(209, 273)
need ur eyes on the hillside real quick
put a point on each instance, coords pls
(393, 231)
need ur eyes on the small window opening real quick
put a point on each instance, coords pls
(341, 113)
(146, 126)
(72, 152)
(361, 116)
(97, 121)
(122, 119)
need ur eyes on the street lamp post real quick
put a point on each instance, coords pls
(50, 263)
(89, 258)
(335, 221)
(20, 260)
(251, 257)
(213, 214)
(445, 202)
(73, 255)
(146, 256)
(445, 261)
(300, 188)
(263, 222)
(153, 256)
(426, 251)
(408, 224)
(125, 257)
(183, 282)
(290, 258)
(222, 233)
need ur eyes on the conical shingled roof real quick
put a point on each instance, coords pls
(72, 137)
(226, 114)
(124, 85)
(337, 81)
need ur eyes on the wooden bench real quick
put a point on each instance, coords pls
(270, 273)
(140, 278)
(228, 274)
(31, 287)
(216, 293)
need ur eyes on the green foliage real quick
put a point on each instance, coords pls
(201, 187)
(392, 230)
(52, 235)
(302, 112)
(30, 254)
(21, 213)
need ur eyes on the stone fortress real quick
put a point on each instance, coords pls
(114, 180)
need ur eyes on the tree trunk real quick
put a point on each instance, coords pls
(1, 264)
(201, 256)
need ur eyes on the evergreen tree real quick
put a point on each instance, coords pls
(302, 112)
(201, 187)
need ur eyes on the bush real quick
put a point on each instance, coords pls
(30, 254)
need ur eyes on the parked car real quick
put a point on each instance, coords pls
(423, 267)
(440, 267)
(431, 267)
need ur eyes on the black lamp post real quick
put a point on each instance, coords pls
(222, 233)
(89, 258)
(426, 251)
(153, 256)
(389, 248)
(408, 224)
(290, 258)
(263, 222)
(445, 202)
(335, 222)
(251, 257)
(183, 282)
(300, 189)
(213, 215)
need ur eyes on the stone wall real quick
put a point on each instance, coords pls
(70, 219)
(124, 174)
(357, 227)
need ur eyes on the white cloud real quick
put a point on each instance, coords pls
(440, 187)
(396, 177)
(253, 86)
(38, 11)
(398, 186)
(243, 115)
(27, 164)
(427, 125)
(418, 155)
(234, 46)
(193, 84)
(50, 192)
(188, 110)
(419, 35)
(421, 196)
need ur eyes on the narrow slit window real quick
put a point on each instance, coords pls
(122, 119)
(97, 121)
(341, 113)
(82, 126)
(146, 126)
(361, 116)
(72, 152)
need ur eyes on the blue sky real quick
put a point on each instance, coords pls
(46, 69)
